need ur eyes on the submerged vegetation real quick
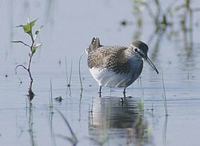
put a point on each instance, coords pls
(175, 20)
(33, 46)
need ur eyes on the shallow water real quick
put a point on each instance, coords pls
(68, 29)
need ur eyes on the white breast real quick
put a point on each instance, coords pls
(108, 78)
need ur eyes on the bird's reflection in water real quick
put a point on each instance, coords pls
(112, 122)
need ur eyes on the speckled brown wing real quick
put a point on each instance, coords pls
(98, 57)
(112, 58)
(118, 61)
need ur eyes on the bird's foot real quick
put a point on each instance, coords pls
(100, 87)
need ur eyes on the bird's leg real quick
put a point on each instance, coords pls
(123, 98)
(100, 87)
(124, 92)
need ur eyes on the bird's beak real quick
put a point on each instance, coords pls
(151, 64)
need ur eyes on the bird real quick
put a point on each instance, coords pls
(117, 66)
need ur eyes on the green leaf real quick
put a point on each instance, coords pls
(29, 26)
(34, 50)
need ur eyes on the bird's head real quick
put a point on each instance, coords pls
(141, 49)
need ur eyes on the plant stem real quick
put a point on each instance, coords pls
(31, 94)
(164, 95)
(79, 72)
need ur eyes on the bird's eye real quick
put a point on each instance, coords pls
(136, 50)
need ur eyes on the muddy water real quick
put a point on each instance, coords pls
(68, 29)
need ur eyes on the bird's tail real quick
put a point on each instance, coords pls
(95, 43)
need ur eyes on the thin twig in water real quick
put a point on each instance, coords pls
(164, 95)
(72, 139)
(66, 73)
(70, 75)
(21, 42)
(79, 71)
(20, 66)
(53, 139)
(51, 96)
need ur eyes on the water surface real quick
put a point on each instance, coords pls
(68, 29)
